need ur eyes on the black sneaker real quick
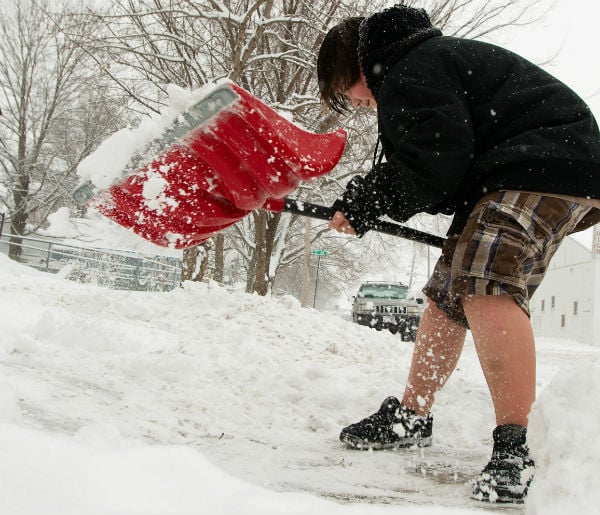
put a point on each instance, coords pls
(506, 478)
(394, 425)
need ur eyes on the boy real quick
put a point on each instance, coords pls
(473, 130)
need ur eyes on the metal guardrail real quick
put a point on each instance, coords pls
(111, 268)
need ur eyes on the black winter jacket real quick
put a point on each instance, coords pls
(460, 118)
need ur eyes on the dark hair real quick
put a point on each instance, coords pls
(337, 65)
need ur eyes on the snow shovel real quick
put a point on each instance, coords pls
(228, 155)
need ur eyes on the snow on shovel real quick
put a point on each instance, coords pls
(226, 156)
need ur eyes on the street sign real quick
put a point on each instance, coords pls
(318, 252)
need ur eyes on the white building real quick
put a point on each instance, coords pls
(567, 303)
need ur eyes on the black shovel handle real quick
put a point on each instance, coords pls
(301, 208)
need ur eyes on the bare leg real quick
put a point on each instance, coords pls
(438, 346)
(505, 346)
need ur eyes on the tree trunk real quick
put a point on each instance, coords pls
(272, 224)
(219, 258)
(250, 273)
(261, 267)
(15, 249)
(18, 221)
(189, 263)
(191, 270)
(265, 232)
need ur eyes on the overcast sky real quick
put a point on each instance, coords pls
(569, 31)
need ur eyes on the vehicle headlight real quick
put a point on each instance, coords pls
(364, 308)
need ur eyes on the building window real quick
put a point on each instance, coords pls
(543, 305)
(562, 320)
(553, 302)
(575, 306)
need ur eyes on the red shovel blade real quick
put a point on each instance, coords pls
(232, 155)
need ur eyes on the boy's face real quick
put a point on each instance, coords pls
(360, 95)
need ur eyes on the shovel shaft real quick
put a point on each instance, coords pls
(325, 213)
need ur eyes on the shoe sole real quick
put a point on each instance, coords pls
(499, 494)
(356, 443)
(499, 498)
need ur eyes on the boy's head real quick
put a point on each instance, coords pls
(384, 37)
(337, 65)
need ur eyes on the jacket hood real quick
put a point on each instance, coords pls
(386, 36)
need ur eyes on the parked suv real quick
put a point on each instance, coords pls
(384, 305)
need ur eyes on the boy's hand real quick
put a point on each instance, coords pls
(339, 223)
(354, 213)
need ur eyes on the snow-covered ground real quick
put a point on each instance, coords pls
(204, 401)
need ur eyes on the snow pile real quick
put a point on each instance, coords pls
(54, 475)
(61, 225)
(202, 400)
(564, 428)
(9, 405)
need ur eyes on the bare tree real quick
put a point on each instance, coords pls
(268, 47)
(46, 126)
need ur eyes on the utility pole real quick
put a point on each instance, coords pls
(306, 265)
(318, 253)
(316, 280)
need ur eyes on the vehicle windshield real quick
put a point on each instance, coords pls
(383, 291)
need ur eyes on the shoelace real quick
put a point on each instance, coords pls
(500, 460)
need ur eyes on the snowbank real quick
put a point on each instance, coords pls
(206, 401)
(54, 475)
(564, 428)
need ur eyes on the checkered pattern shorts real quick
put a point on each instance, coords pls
(505, 248)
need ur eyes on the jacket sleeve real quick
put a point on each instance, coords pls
(427, 134)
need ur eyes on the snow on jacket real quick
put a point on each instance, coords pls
(460, 118)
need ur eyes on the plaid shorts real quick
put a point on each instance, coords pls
(505, 248)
